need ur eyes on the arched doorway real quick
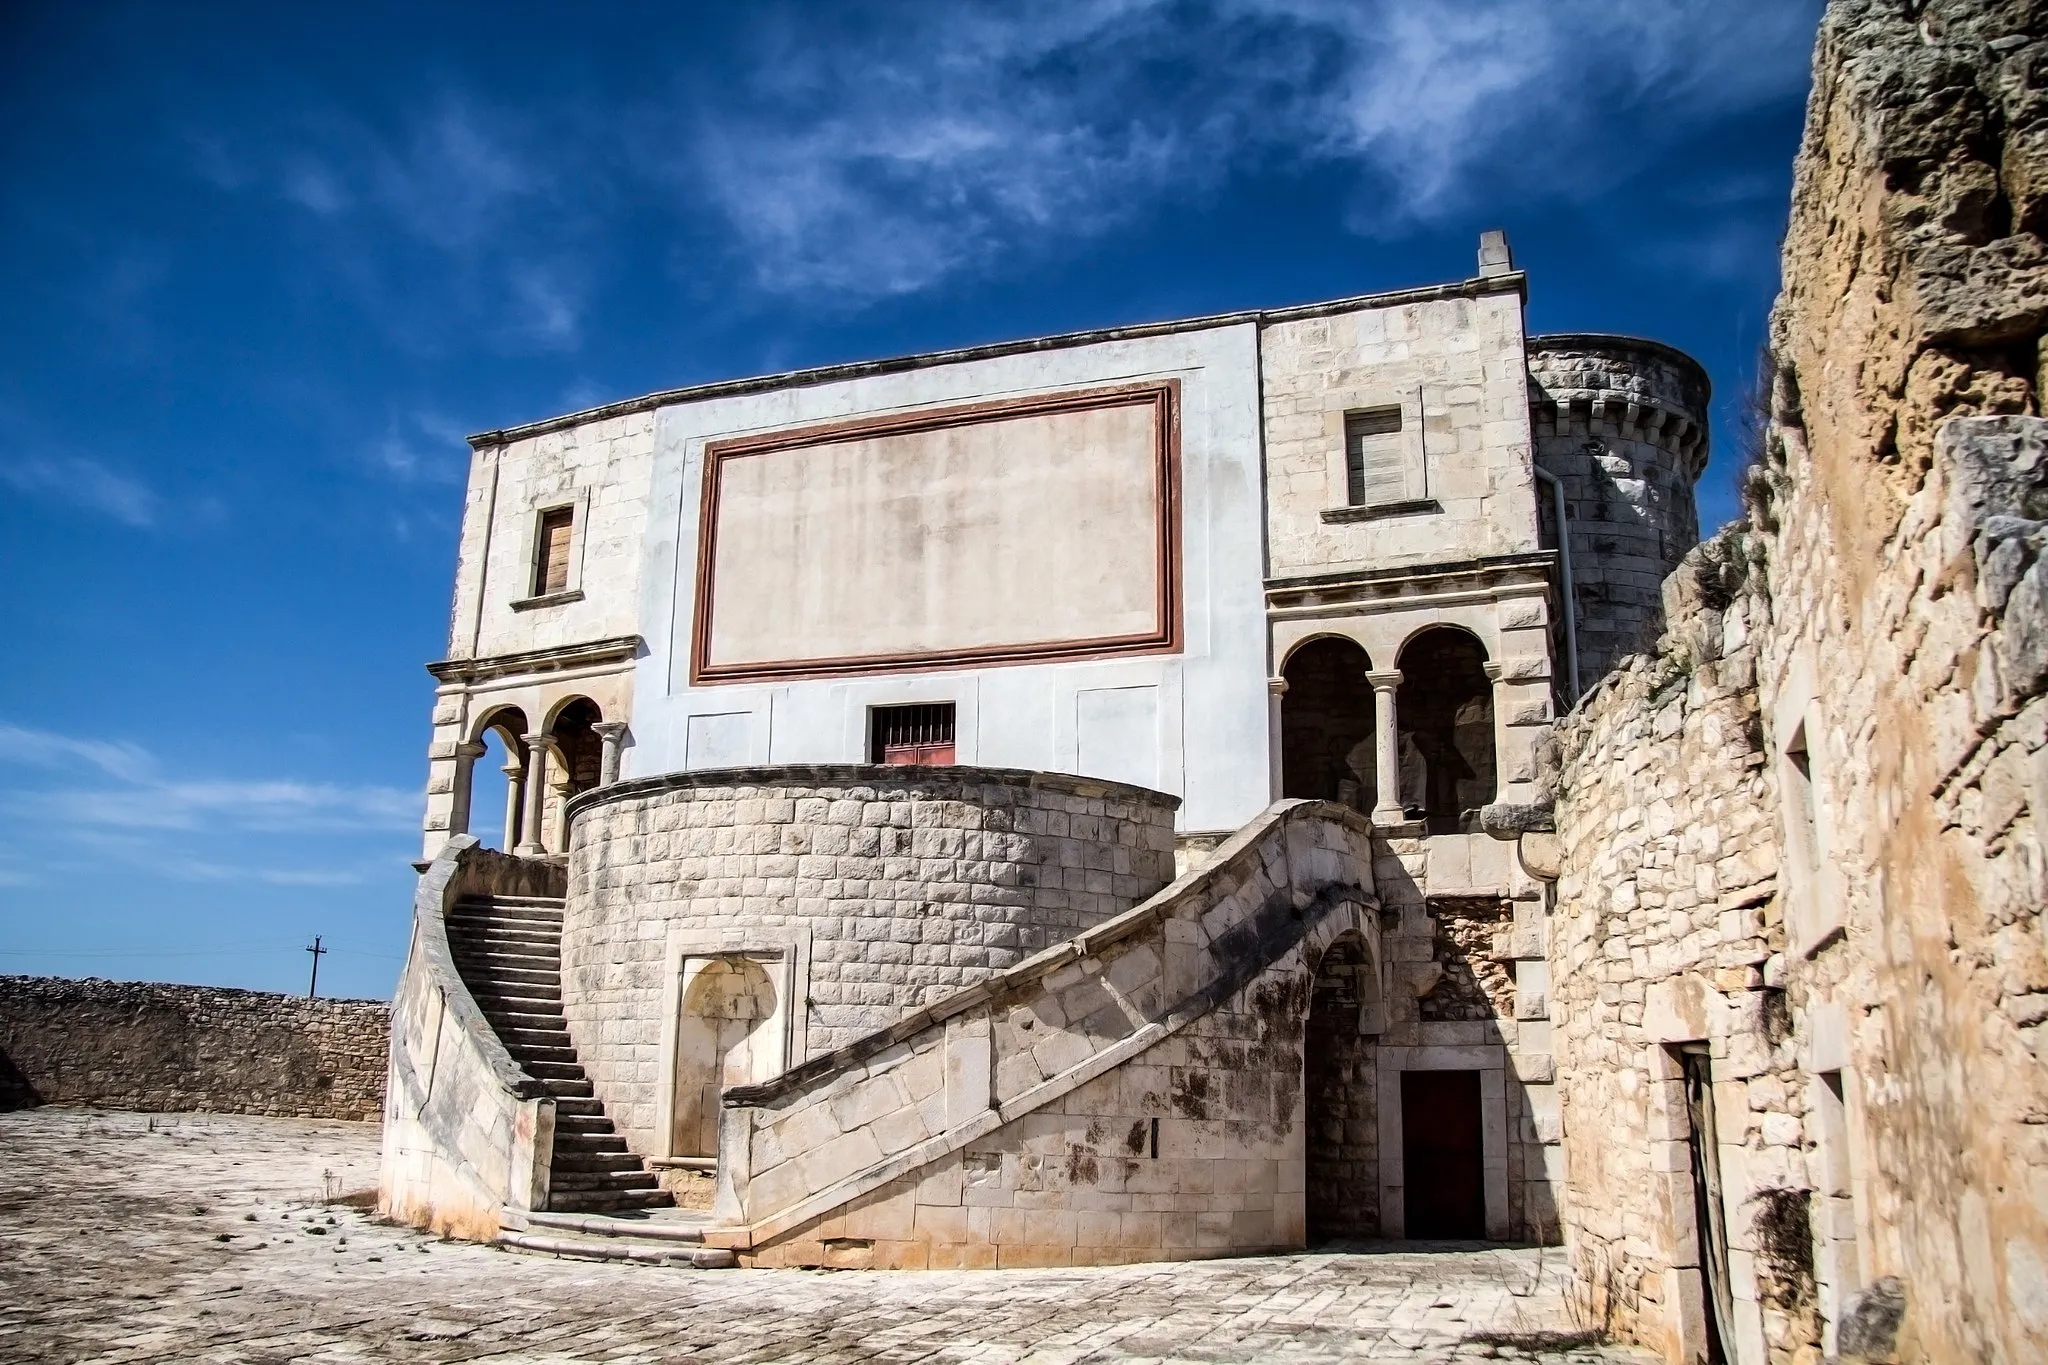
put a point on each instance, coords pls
(1445, 719)
(721, 1040)
(1326, 725)
(1340, 1064)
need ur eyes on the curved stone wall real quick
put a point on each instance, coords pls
(867, 891)
(1622, 423)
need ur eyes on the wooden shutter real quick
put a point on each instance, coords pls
(1375, 471)
(551, 566)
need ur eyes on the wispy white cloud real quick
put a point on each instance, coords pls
(84, 483)
(879, 165)
(845, 156)
(133, 794)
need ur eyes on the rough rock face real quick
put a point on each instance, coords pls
(1906, 647)
(1802, 863)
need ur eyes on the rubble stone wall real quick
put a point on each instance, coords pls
(877, 890)
(1667, 932)
(159, 1047)
(1808, 829)
(1905, 487)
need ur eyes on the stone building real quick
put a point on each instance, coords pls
(863, 707)
(1291, 776)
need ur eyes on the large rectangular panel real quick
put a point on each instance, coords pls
(1032, 529)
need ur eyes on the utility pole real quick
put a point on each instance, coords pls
(316, 950)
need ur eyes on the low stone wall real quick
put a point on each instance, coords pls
(867, 891)
(159, 1047)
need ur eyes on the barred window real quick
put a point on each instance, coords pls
(1373, 467)
(921, 734)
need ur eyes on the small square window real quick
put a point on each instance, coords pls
(1374, 471)
(551, 551)
(919, 734)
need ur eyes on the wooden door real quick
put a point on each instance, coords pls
(1443, 1172)
(1709, 1214)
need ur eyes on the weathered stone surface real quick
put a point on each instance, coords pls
(152, 1046)
(202, 1247)
(881, 889)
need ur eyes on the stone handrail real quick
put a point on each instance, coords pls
(466, 1131)
(844, 1124)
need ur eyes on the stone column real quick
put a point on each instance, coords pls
(1386, 747)
(530, 845)
(611, 732)
(466, 756)
(1500, 727)
(515, 801)
(1276, 690)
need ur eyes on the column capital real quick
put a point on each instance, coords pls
(608, 729)
(538, 740)
(471, 749)
(1277, 686)
(1492, 667)
(1383, 679)
(514, 769)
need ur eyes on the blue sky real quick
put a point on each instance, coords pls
(266, 265)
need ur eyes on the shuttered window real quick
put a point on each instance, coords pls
(911, 734)
(1373, 466)
(551, 553)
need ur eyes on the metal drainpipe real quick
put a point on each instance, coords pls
(1564, 560)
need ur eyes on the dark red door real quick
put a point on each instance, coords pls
(1442, 1176)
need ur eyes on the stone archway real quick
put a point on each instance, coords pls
(1326, 725)
(1445, 706)
(723, 1039)
(1340, 1076)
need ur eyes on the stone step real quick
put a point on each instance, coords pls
(553, 1071)
(675, 1225)
(491, 941)
(528, 1056)
(506, 914)
(523, 929)
(519, 926)
(581, 1126)
(510, 978)
(608, 1201)
(582, 1162)
(515, 1037)
(528, 1021)
(592, 1145)
(579, 1108)
(679, 1255)
(495, 998)
(592, 1182)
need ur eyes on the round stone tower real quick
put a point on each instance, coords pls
(1621, 424)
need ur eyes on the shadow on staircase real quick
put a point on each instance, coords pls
(509, 951)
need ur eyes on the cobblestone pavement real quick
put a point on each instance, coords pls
(137, 1237)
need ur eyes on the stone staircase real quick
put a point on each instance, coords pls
(509, 951)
